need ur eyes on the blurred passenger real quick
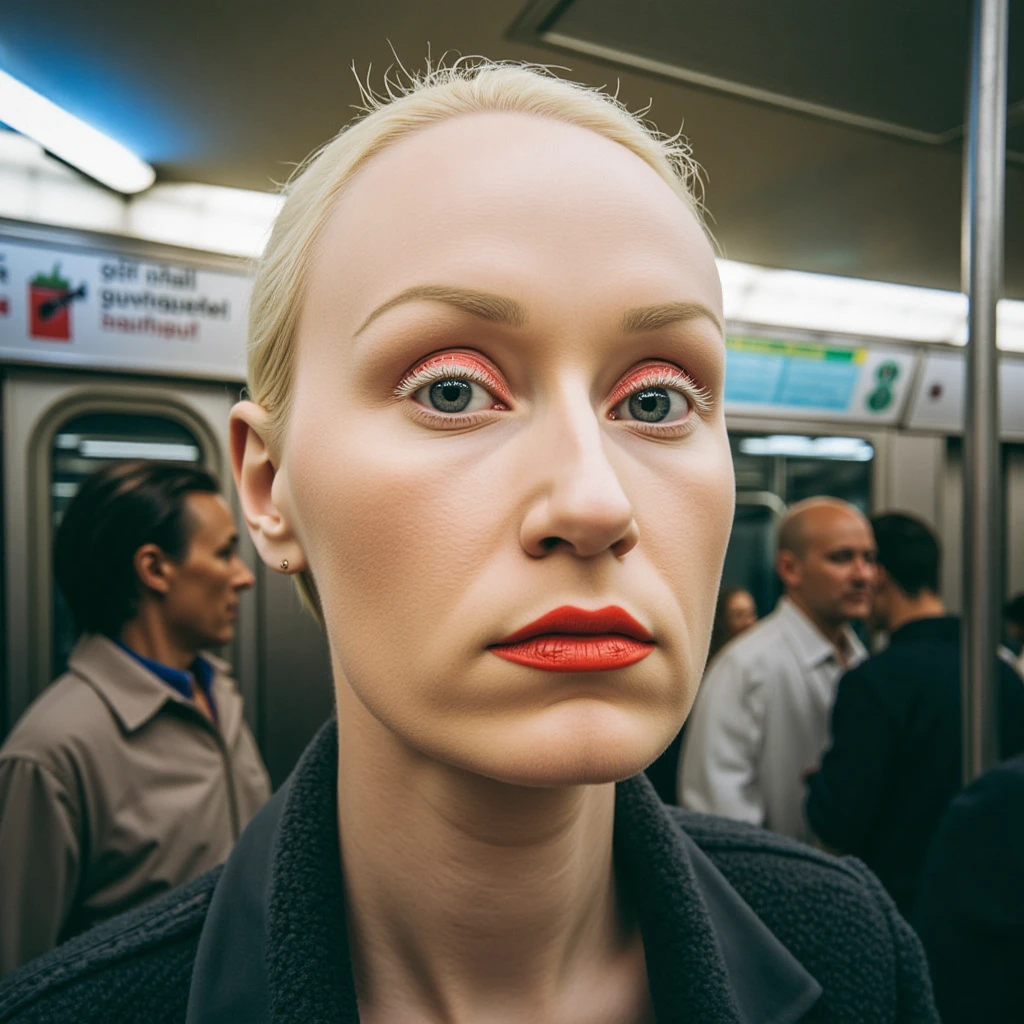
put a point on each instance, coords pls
(760, 721)
(894, 763)
(135, 771)
(1013, 615)
(970, 910)
(734, 612)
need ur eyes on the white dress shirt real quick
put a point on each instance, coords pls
(760, 722)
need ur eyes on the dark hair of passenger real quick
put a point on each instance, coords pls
(115, 511)
(1014, 611)
(720, 630)
(909, 552)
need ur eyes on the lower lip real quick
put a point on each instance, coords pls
(557, 652)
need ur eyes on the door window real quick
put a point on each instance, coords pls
(81, 446)
(772, 472)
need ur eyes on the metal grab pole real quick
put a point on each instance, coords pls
(984, 168)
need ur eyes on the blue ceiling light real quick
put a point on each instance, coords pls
(71, 139)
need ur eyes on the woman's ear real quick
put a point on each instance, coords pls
(255, 473)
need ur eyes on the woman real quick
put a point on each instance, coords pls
(486, 433)
(735, 612)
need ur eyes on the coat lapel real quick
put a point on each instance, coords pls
(709, 956)
(274, 948)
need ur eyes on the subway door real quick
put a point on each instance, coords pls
(59, 427)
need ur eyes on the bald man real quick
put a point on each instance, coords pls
(760, 722)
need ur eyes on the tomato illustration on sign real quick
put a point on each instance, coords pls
(49, 302)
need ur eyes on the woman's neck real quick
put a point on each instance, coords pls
(472, 900)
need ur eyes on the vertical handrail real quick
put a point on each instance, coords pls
(982, 256)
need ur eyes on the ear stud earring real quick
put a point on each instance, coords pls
(284, 564)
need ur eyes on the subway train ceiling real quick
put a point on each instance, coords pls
(830, 132)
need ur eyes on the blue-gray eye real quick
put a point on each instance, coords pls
(654, 405)
(450, 395)
(651, 405)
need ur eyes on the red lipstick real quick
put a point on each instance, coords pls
(571, 639)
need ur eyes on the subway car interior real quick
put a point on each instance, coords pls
(834, 142)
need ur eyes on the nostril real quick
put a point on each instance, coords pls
(550, 543)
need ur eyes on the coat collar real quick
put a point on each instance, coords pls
(274, 947)
(135, 695)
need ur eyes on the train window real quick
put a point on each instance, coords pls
(83, 444)
(774, 471)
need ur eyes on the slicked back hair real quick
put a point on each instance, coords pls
(116, 511)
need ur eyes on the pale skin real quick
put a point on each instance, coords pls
(831, 573)
(475, 796)
(191, 604)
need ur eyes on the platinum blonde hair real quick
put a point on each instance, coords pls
(439, 94)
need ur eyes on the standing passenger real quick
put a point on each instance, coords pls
(734, 613)
(970, 909)
(760, 721)
(1013, 614)
(894, 763)
(135, 771)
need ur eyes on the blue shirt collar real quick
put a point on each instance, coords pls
(179, 681)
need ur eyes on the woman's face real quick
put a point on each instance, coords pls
(740, 613)
(508, 400)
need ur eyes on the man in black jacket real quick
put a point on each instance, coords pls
(894, 763)
(970, 913)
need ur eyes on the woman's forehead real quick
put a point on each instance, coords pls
(504, 192)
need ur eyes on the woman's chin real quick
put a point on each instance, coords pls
(585, 750)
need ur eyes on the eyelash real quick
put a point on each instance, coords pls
(442, 368)
(449, 366)
(669, 377)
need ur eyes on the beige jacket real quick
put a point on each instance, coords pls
(114, 789)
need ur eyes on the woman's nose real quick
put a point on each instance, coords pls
(579, 503)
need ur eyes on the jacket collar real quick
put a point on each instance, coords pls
(135, 695)
(274, 947)
(931, 629)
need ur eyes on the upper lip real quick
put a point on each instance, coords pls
(579, 621)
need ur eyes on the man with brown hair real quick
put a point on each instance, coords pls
(760, 721)
(135, 771)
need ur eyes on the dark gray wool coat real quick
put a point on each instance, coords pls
(739, 926)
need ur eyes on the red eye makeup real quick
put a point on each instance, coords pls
(657, 395)
(451, 375)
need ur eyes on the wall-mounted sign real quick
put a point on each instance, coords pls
(117, 311)
(938, 401)
(769, 377)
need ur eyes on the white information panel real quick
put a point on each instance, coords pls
(938, 402)
(110, 310)
(855, 382)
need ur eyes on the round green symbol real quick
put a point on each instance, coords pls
(885, 376)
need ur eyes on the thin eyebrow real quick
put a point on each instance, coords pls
(493, 308)
(651, 318)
